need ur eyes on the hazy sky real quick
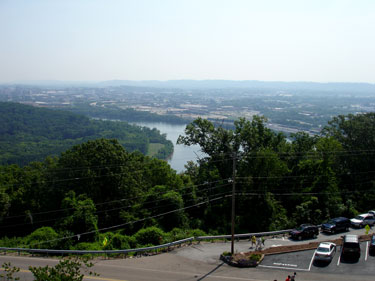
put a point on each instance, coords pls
(282, 40)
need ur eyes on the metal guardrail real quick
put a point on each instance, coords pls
(246, 235)
(83, 252)
(145, 249)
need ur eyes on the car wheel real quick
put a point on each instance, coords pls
(299, 238)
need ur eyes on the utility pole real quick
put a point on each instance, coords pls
(233, 200)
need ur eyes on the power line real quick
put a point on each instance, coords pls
(132, 222)
(118, 200)
(249, 178)
(114, 209)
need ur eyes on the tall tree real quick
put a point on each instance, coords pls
(356, 133)
(255, 148)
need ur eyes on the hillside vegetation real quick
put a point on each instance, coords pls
(98, 191)
(31, 134)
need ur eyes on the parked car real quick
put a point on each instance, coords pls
(325, 251)
(371, 247)
(372, 212)
(362, 220)
(304, 231)
(350, 246)
(336, 225)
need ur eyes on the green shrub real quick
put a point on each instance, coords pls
(131, 240)
(119, 242)
(150, 235)
(177, 234)
(116, 241)
(42, 238)
(66, 243)
(86, 246)
(13, 242)
(226, 254)
(255, 257)
(197, 232)
(9, 272)
(68, 269)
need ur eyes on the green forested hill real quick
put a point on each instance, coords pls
(97, 189)
(30, 134)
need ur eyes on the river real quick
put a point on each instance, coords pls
(182, 154)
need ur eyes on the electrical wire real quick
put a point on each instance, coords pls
(118, 200)
(132, 222)
(109, 210)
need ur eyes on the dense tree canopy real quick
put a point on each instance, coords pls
(31, 134)
(99, 185)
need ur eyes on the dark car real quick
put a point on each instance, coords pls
(336, 225)
(305, 231)
(351, 247)
(371, 247)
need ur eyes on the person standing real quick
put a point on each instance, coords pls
(253, 241)
(263, 240)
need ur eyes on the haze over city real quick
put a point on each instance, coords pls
(290, 40)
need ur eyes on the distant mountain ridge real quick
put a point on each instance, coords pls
(211, 84)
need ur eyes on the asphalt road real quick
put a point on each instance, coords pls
(201, 262)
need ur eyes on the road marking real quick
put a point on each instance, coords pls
(281, 267)
(285, 264)
(233, 278)
(277, 239)
(276, 245)
(102, 278)
(366, 251)
(312, 259)
(338, 261)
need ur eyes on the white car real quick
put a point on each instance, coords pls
(362, 220)
(325, 252)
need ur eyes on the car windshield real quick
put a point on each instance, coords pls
(331, 222)
(324, 250)
(300, 228)
(361, 218)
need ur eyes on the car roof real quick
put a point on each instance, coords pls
(360, 215)
(351, 238)
(339, 219)
(326, 244)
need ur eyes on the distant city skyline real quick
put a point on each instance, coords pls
(270, 40)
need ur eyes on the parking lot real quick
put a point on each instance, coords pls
(304, 261)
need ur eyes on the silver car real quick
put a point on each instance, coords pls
(325, 252)
(363, 220)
